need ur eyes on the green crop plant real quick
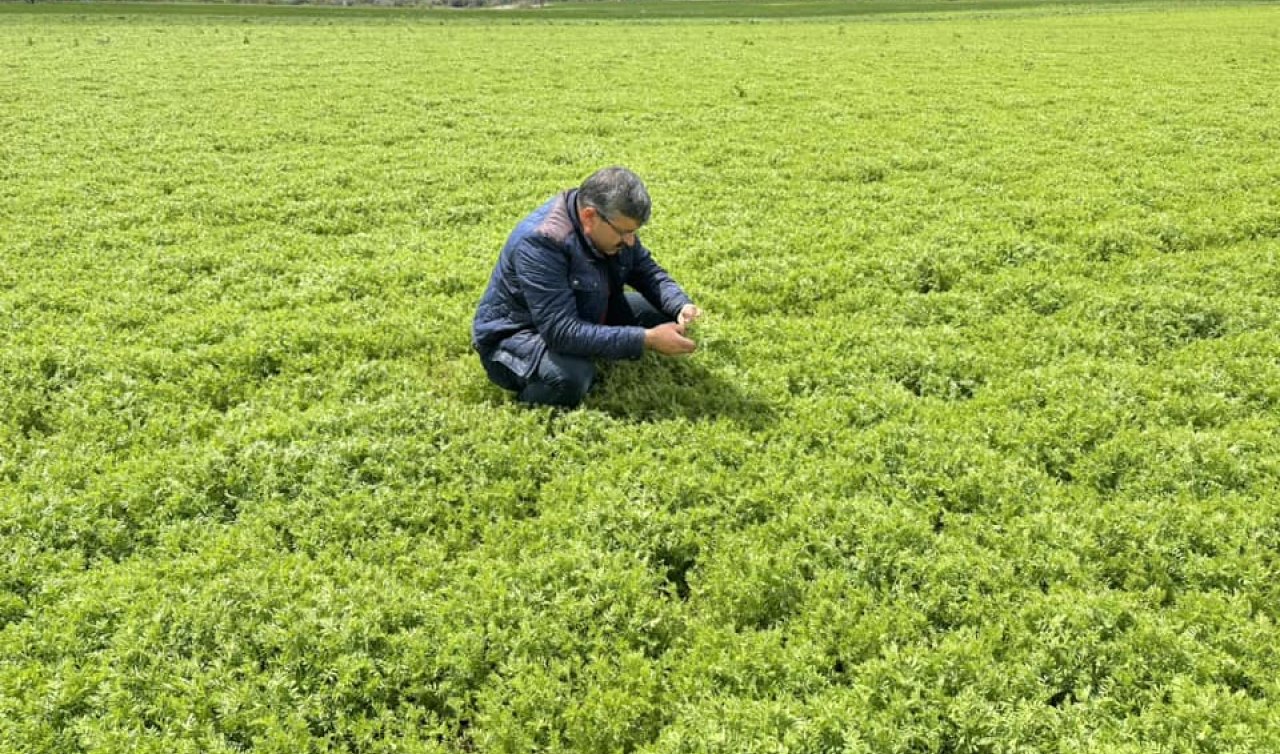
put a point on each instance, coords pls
(978, 452)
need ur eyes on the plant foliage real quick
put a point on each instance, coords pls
(978, 454)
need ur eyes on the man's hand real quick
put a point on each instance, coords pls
(688, 313)
(669, 340)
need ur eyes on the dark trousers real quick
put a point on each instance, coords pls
(561, 379)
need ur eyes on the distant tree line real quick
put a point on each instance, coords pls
(386, 3)
(396, 3)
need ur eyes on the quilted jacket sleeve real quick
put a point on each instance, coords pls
(653, 282)
(542, 269)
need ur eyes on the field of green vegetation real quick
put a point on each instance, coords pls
(556, 10)
(980, 451)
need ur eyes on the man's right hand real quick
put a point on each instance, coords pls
(668, 339)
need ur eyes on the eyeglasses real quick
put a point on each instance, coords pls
(616, 229)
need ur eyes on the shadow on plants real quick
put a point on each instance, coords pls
(657, 388)
(653, 389)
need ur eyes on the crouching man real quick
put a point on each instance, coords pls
(555, 300)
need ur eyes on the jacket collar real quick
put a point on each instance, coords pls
(571, 205)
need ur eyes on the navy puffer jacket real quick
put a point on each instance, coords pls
(552, 289)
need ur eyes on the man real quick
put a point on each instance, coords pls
(555, 299)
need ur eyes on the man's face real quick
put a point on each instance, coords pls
(609, 234)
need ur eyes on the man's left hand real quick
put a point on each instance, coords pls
(688, 313)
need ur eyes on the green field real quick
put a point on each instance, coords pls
(980, 451)
(552, 10)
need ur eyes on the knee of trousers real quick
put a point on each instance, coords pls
(573, 381)
(561, 381)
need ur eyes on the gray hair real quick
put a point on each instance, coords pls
(616, 191)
